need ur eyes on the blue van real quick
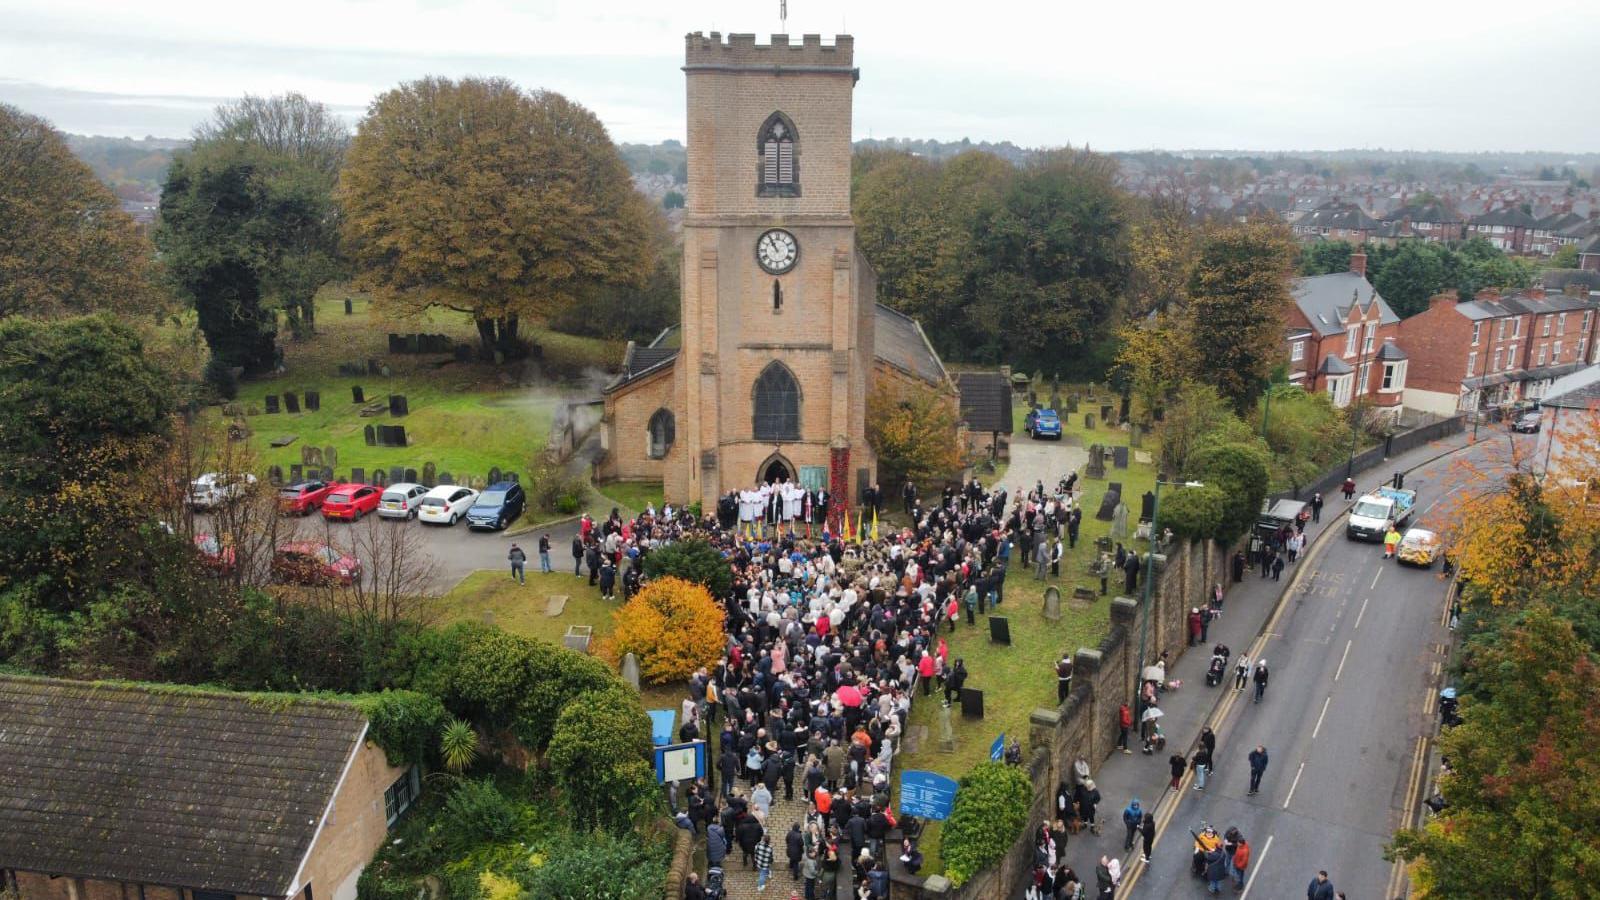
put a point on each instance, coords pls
(498, 506)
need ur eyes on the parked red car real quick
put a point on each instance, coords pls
(302, 499)
(313, 562)
(215, 555)
(350, 501)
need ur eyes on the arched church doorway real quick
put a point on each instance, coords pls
(774, 469)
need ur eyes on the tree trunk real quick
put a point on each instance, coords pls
(486, 338)
(308, 314)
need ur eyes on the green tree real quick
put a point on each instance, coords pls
(1523, 776)
(1304, 432)
(1239, 470)
(914, 429)
(1565, 258)
(599, 755)
(66, 247)
(477, 196)
(1193, 513)
(630, 869)
(1325, 257)
(693, 560)
(1414, 273)
(1197, 414)
(672, 200)
(990, 811)
(1238, 296)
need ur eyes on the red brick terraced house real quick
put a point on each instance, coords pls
(1509, 229)
(1336, 220)
(1494, 350)
(1344, 339)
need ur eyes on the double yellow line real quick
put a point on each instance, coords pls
(1398, 881)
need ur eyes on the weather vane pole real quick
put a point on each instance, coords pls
(783, 15)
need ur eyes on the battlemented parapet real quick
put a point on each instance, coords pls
(712, 53)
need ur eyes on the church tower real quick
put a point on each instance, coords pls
(776, 347)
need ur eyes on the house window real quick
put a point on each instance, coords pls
(1555, 354)
(1372, 332)
(398, 797)
(1472, 363)
(1516, 327)
(779, 158)
(1500, 330)
(1351, 338)
(1541, 355)
(1476, 328)
(663, 431)
(1297, 350)
(1561, 324)
(1546, 326)
(1495, 366)
(1586, 315)
(1394, 376)
(1511, 357)
(776, 401)
(1361, 378)
(1339, 389)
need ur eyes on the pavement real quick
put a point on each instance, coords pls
(1352, 652)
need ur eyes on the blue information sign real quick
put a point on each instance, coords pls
(997, 750)
(679, 762)
(661, 725)
(926, 794)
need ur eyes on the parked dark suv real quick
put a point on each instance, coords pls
(498, 506)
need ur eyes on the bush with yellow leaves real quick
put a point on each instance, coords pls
(672, 626)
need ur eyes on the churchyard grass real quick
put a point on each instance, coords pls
(632, 495)
(463, 417)
(1020, 678)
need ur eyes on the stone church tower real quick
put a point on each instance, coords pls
(767, 375)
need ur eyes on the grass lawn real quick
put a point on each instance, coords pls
(632, 495)
(491, 596)
(464, 417)
(1020, 678)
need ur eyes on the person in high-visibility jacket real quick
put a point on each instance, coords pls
(1391, 542)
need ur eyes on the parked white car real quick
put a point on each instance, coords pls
(400, 501)
(446, 504)
(214, 489)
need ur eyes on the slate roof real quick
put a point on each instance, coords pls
(1592, 245)
(985, 401)
(1513, 216)
(899, 341)
(1337, 214)
(1429, 211)
(1390, 353)
(1333, 365)
(1325, 300)
(1578, 390)
(137, 783)
(639, 361)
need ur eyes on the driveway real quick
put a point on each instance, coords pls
(1035, 461)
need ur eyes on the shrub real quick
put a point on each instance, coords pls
(556, 490)
(598, 757)
(218, 375)
(1193, 513)
(630, 869)
(477, 812)
(692, 560)
(403, 723)
(458, 746)
(990, 811)
(501, 680)
(672, 626)
(558, 675)
(1240, 471)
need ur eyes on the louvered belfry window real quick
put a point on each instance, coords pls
(780, 175)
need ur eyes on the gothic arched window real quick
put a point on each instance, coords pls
(777, 149)
(663, 431)
(777, 404)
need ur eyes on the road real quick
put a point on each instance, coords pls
(1354, 656)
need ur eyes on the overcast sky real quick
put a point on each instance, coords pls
(1238, 74)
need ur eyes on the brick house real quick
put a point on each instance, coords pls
(1589, 254)
(1432, 221)
(1569, 423)
(1343, 338)
(149, 792)
(1508, 228)
(1494, 350)
(1336, 220)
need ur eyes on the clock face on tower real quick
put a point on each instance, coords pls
(777, 250)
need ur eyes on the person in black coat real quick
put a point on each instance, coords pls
(577, 554)
(748, 834)
(728, 765)
(794, 844)
(1238, 566)
(1074, 520)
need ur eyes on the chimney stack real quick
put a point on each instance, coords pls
(1358, 263)
(1443, 297)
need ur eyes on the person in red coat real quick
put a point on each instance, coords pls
(1196, 624)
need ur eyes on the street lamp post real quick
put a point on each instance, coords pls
(1149, 568)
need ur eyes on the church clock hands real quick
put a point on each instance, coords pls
(776, 251)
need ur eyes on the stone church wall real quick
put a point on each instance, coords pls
(627, 432)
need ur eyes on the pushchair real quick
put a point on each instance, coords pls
(1215, 671)
(715, 890)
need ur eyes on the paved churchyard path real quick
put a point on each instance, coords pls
(1035, 461)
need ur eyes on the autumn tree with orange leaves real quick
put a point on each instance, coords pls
(914, 431)
(672, 626)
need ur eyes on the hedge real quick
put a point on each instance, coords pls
(405, 724)
(990, 811)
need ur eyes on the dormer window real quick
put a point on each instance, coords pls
(778, 157)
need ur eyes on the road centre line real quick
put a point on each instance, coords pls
(1253, 872)
(1342, 658)
(1375, 578)
(1298, 772)
(1361, 613)
(1323, 713)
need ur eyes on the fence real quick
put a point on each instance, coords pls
(1372, 457)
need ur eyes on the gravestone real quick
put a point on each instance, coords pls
(999, 630)
(358, 475)
(252, 410)
(1119, 521)
(1119, 457)
(1147, 507)
(272, 404)
(1105, 413)
(397, 343)
(397, 404)
(327, 474)
(296, 473)
(1088, 421)
(232, 410)
(1096, 467)
(1108, 505)
(330, 456)
(429, 474)
(494, 474)
(357, 395)
(1055, 402)
(275, 474)
(577, 638)
(311, 456)
(444, 478)
(380, 478)
(313, 401)
(371, 434)
(1072, 404)
(1052, 604)
(284, 440)
(349, 307)
(1083, 596)
(971, 703)
(1136, 436)
(397, 474)
(291, 402)
(1124, 408)
(411, 475)
(947, 733)
(630, 670)
(555, 604)
(397, 435)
